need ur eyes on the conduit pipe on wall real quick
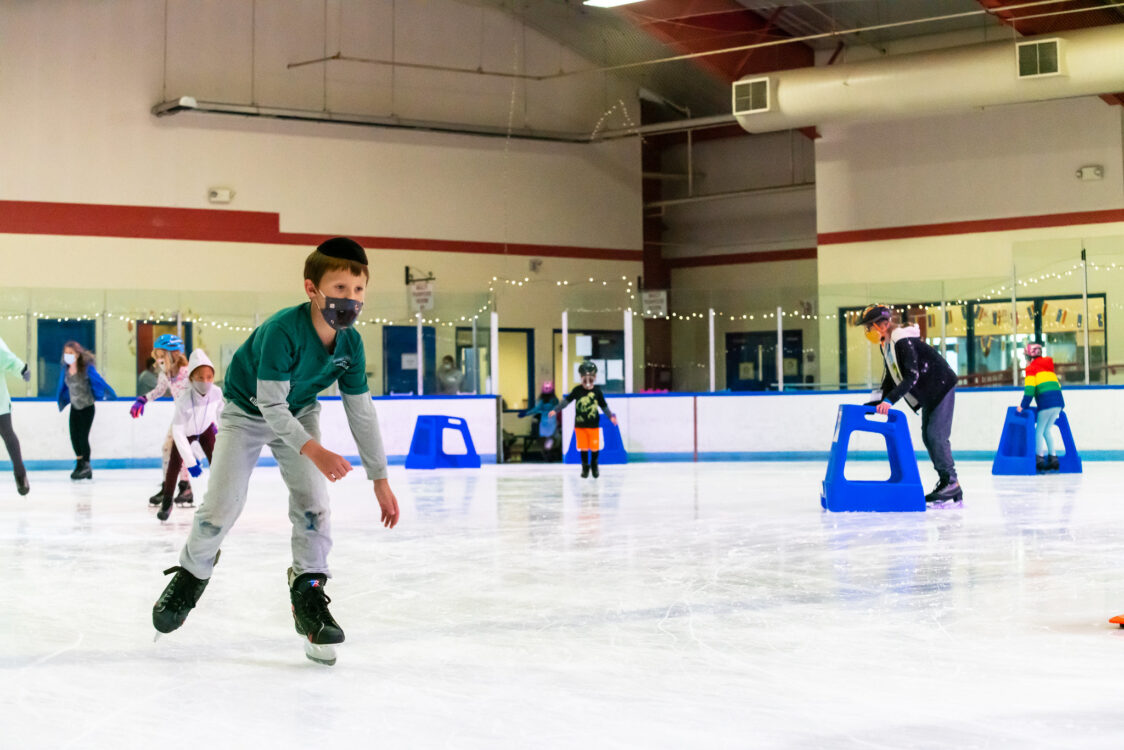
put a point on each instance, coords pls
(948, 80)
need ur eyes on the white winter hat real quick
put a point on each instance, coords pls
(198, 359)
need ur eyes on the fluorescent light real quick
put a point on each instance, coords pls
(608, 3)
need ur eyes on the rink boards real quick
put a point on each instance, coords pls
(655, 427)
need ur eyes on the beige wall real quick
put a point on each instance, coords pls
(79, 82)
(737, 292)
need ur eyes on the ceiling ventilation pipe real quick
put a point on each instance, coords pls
(1087, 62)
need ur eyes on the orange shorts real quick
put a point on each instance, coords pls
(588, 438)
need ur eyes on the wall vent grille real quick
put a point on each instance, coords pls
(751, 96)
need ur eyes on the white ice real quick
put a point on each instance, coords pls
(661, 606)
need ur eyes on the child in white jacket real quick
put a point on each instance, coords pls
(194, 426)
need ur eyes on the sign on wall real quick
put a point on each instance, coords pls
(421, 296)
(654, 302)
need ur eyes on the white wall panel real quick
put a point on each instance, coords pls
(44, 433)
(82, 78)
(211, 49)
(1011, 161)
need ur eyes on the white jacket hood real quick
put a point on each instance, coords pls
(899, 333)
(198, 359)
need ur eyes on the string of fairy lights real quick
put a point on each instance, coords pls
(623, 287)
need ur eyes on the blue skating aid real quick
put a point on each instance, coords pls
(427, 448)
(612, 445)
(1015, 455)
(901, 492)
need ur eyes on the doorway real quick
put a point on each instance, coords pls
(751, 359)
(53, 335)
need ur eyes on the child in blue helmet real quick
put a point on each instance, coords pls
(172, 380)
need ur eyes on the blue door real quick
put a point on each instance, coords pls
(751, 360)
(399, 377)
(53, 335)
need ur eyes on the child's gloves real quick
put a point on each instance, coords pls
(26, 374)
(196, 470)
(137, 408)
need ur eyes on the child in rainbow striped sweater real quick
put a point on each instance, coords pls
(1042, 386)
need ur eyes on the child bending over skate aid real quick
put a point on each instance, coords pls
(194, 426)
(271, 400)
(918, 373)
(1042, 386)
(587, 422)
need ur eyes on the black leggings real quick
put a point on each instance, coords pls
(12, 443)
(81, 420)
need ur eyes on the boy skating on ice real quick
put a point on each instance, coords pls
(587, 422)
(194, 426)
(271, 389)
(918, 373)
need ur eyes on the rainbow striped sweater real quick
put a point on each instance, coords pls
(1042, 384)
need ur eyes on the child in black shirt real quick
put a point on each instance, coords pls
(587, 422)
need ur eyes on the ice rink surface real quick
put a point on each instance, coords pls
(661, 606)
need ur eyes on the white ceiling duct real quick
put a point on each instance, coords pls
(1088, 62)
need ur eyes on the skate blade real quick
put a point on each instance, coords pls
(321, 653)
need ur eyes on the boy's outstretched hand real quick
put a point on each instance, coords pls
(332, 465)
(388, 503)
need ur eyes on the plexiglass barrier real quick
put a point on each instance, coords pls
(518, 334)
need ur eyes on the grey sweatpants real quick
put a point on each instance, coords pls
(936, 426)
(237, 448)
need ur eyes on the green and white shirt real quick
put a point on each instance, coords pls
(287, 348)
(283, 366)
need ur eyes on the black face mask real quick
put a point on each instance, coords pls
(340, 312)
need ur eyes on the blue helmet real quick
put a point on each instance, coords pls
(169, 342)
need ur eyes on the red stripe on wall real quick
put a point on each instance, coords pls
(972, 227)
(769, 256)
(147, 222)
(214, 225)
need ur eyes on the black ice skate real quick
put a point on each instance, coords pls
(165, 507)
(312, 618)
(593, 465)
(158, 497)
(185, 496)
(179, 597)
(1052, 464)
(947, 492)
(1040, 464)
(82, 470)
(22, 485)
